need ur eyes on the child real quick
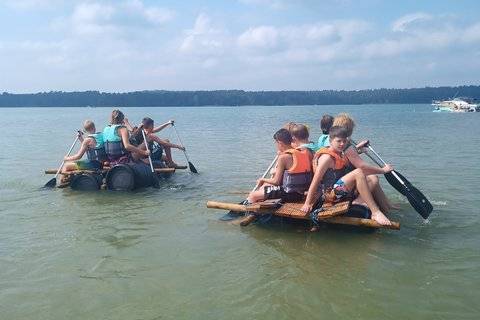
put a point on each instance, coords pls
(116, 139)
(352, 153)
(93, 146)
(325, 124)
(148, 126)
(292, 176)
(300, 136)
(331, 179)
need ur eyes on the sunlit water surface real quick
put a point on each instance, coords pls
(161, 254)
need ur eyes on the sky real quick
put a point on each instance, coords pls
(129, 45)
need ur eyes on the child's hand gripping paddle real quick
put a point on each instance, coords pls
(52, 183)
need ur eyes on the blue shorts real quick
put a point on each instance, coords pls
(339, 192)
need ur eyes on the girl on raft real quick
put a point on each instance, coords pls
(117, 144)
(161, 144)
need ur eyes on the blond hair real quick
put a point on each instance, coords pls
(344, 120)
(88, 125)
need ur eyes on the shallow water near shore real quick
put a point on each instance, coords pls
(161, 254)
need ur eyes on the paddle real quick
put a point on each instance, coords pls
(53, 182)
(190, 165)
(228, 215)
(156, 183)
(414, 196)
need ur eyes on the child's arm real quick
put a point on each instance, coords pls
(324, 162)
(128, 146)
(81, 152)
(164, 143)
(163, 126)
(128, 125)
(278, 176)
(359, 163)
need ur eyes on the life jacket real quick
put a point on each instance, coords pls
(299, 176)
(98, 152)
(340, 168)
(113, 144)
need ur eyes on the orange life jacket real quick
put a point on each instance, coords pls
(302, 160)
(341, 161)
(299, 176)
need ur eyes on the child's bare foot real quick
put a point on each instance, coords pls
(379, 217)
(314, 229)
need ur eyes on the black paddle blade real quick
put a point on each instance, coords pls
(419, 202)
(52, 183)
(192, 167)
(397, 184)
(414, 196)
(155, 181)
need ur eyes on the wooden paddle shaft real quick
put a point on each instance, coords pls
(266, 171)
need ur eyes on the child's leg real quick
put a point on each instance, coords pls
(356, 179)
(258, 195)
(69, 166)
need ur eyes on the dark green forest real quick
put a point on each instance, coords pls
(162, 98)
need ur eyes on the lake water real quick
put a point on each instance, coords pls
(161, 254)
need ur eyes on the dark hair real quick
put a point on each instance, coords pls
(299, 131)
(283, 135)
(326, 123)
(338, 132)
(147, 122)
(117, 117)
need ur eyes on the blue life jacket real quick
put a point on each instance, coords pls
(113, 144)
(98, 152)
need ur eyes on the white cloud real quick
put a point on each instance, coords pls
(273, 4)
(263, 37)
(30, 4)
(404, 23)
(203, 38)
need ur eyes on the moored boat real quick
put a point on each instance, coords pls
(456, 105)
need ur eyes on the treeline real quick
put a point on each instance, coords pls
(161, 98)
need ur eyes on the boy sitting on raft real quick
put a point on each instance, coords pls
(330, 178)
(292, 175)
(92, 145)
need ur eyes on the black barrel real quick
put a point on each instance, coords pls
(86, 182)
(126, 177)
(120, 178)
(143, 174)
(358, 211)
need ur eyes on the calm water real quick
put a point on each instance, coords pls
(160, 254)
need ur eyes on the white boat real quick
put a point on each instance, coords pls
(456, 105)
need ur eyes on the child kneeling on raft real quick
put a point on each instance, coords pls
(334, 184)
(92, 145)
(292, 176)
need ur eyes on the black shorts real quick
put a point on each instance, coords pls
(277, 192)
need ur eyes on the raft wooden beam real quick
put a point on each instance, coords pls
(157, 170)
(329, 215)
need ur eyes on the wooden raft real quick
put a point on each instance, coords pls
(330, 214)
(157, 170)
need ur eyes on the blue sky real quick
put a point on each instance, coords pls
(127, 45)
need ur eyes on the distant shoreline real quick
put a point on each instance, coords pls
(163, 98)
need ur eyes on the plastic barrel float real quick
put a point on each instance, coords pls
(127, 177)
(86, 182)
